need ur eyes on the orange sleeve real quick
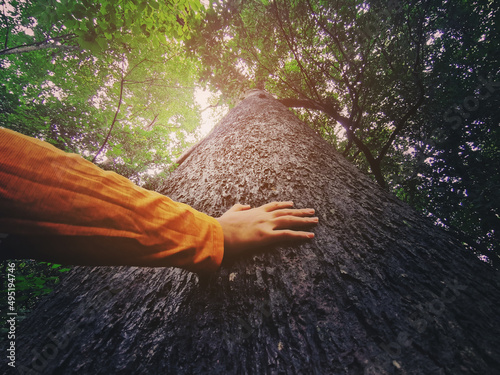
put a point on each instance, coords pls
(60, 207)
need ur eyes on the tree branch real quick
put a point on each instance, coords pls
(310, 83)
(48, 43)
(418, 81)
(211, 106)
(347, 124)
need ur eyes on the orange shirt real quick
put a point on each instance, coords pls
(60, 207)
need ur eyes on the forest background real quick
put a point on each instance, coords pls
(406, 90)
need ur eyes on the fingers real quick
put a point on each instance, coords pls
(294, 212)
(276, 206)
(294, 221)
(292, 235)
(285, 209)
(239, 207)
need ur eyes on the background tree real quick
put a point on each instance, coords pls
(384, 83)
(380, 290)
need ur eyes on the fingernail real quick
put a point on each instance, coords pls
(310, 235)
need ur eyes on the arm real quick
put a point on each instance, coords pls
(59, 207)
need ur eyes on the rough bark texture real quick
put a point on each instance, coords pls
(380, 290)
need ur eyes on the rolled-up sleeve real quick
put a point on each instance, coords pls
(61, 207)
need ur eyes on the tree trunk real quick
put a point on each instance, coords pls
(380, 290)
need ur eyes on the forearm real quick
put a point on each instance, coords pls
(80, 214)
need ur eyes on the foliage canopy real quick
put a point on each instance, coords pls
(105, 79)
(407, 90)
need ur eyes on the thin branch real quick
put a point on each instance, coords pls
(333, 36)
(347, 148)
(151, 61)
(152, 82)
(310, 84)
(211, 106)
(136, 114)
(150, 126)
(114, 119)
(133, 68)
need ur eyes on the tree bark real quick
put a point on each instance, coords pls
(380, 290)
(373, 162)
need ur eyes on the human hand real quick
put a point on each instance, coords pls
(246, 228)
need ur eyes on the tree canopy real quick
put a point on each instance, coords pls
(407, 90)
(105, 79)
